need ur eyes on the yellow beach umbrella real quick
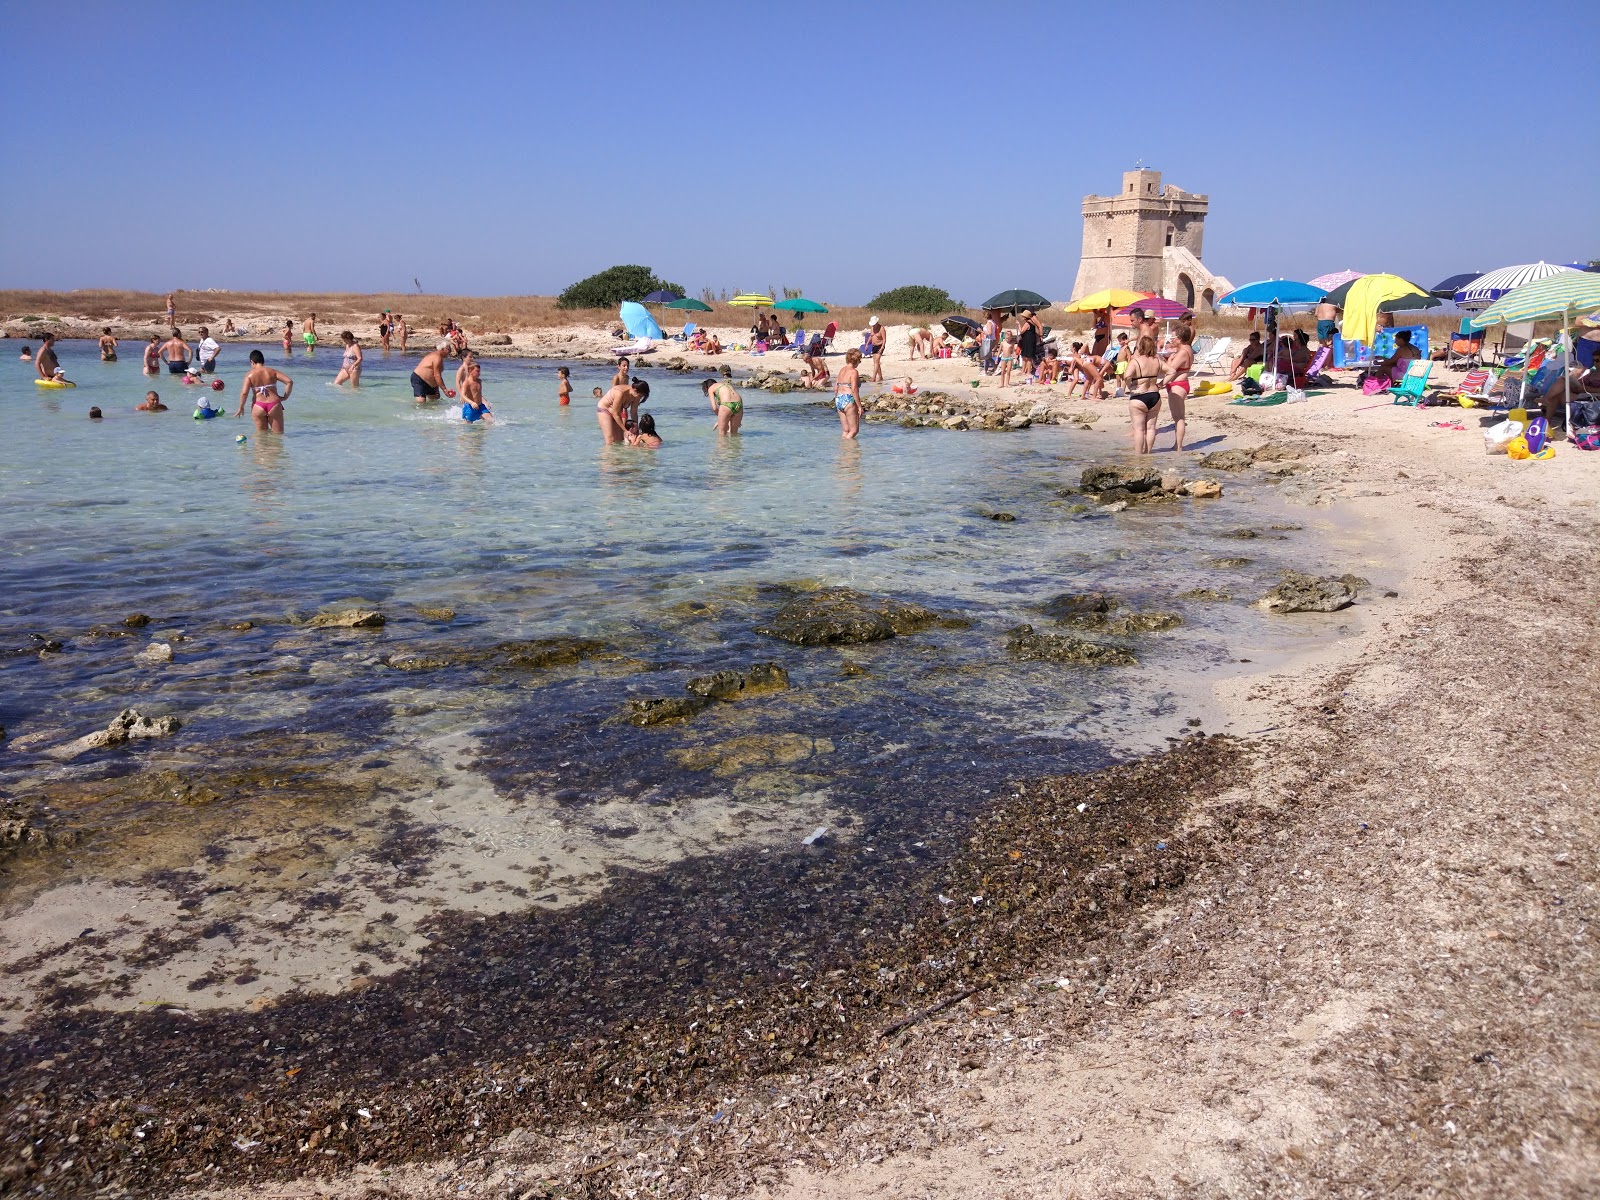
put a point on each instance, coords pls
(1105, 298)
(751, 300)
(1362, 300)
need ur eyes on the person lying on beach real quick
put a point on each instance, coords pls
(260, 388)
(644, 434)
(727, 405)
(227, 328)
(152, 403)
(1252, 353)
(427, 381)
(473, 407)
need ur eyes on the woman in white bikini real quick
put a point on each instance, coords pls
(260, 388)
(846, 394)
(350, 369)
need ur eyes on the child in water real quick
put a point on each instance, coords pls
(644, 434)
(473, 407)
(563, 386)
(152, 403)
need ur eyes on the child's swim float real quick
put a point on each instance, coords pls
(53, 383)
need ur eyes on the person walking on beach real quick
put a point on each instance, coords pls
(206, 351)
(847, 394)
(397, 324)
(563, 386)
(108, 345)
(152, 356)
(989, 340)
(1144, 393)
(877, 339)
(176, 351)
(172, 310)
(1179, 364)
(727, 405)
(260, 388)
(427, 381)
(350, 365)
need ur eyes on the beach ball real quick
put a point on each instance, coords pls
(450, 393)
(240, 439)
(216, 385)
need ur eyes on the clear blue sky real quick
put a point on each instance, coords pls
(841, 149)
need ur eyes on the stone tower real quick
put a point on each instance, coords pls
(1148, 239)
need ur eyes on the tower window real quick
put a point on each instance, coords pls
(1169, 235)
(1149, 187)
(1108, 243)
(1130, 187)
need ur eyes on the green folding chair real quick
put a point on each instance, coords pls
(1416, 378)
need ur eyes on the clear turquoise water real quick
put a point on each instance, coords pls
(531, 528)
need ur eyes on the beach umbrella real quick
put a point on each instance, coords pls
(1156, 306)
(1335, 279)
(661, 296)
(1105, 298)
(1486, 289)
(960, 327)
(1362, 302)
(1285, 293)
(800, 305)
(751, 300)
(1016, 299)
(636, 319)
(1562, 296)
(687, 304)
(1446, 288)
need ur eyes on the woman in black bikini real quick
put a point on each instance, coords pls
(260, 388)
(1143, 380)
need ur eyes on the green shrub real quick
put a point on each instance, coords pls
(915, 298)
(614, 285)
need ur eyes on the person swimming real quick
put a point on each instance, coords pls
(152, 403)
(260, 388)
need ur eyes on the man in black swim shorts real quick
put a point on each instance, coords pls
(427, 381)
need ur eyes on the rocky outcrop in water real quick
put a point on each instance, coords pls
(127, 726)
(757, 680)
(347, 618)
(1126, 624)
(843, 616)
(1241, 459)
(1028, 645)
(659, 710)
(531, 655)
(1077, 604)
(1307, 593)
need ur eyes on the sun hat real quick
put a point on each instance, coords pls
(874, 321)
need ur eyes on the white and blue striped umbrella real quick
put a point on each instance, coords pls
(1486, 289)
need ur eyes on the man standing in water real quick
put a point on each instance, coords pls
(206, 351)
(45, 362)
(176, 351)
(427, 381)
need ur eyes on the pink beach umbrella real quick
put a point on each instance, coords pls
(1158, 307)
(1335, 279)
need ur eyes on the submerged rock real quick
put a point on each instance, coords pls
(1024, 643)
(1202, 489)
(1123, 624)
(738, 685)
(136, 620)
(741, 754)
(1203, 593)
(844, 616)
(128, 725)
(347, 618)
(1307, 593)
(1074, 604)
(435, 612)
(1240, 534)
(658, 710)
(1131, 479)
(1228, 563)
(529, 655)
(155, 652)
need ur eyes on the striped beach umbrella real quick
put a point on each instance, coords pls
(1335, 279)
(1486, 289)
(1555, 297)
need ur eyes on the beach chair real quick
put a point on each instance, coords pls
(1213, 355)
(1416, 379)
(1511, 344)
(1466, 346)
(688, 332)
(1474, 386)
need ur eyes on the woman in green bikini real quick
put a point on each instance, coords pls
(726, 403)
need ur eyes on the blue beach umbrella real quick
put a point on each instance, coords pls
(1285, 293)
(636, 319)
(662, 296)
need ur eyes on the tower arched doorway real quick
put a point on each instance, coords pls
(1185, 295)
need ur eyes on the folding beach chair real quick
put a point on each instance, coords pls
(1511, 344)
(1211, 358)
(1474, 386)
(688, 332)
(1466, 346)
(1416, 378)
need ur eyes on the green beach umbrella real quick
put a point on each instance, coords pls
(1015, 299)
(801, 305)
(690, 304)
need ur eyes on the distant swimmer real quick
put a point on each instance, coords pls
(308, 333)
(563, 385)
(473, 407)
(260, 388)
(350, 367)
(108, 346)
(727, 405)
(27, 353)
(176, 351)
(288, 335)
(152, 356)
(427, 381)
(645, 434)
(152, 403)
(46, 363)
(846, 395)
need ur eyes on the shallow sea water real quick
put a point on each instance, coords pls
(308, 765)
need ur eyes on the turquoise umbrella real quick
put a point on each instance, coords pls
(800, 305)
(689, 304)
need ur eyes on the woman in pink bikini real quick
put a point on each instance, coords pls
(260, 388)
(1179, 364)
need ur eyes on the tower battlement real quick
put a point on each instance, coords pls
(1129, 241)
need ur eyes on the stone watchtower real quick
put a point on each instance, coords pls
(1148, 239)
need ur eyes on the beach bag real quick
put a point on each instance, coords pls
(1374, 384)
(1297, 395)
(1497, 438)
(1249, 386)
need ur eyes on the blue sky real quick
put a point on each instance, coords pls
(841, 149)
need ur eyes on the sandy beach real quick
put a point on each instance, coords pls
(1336, 944)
